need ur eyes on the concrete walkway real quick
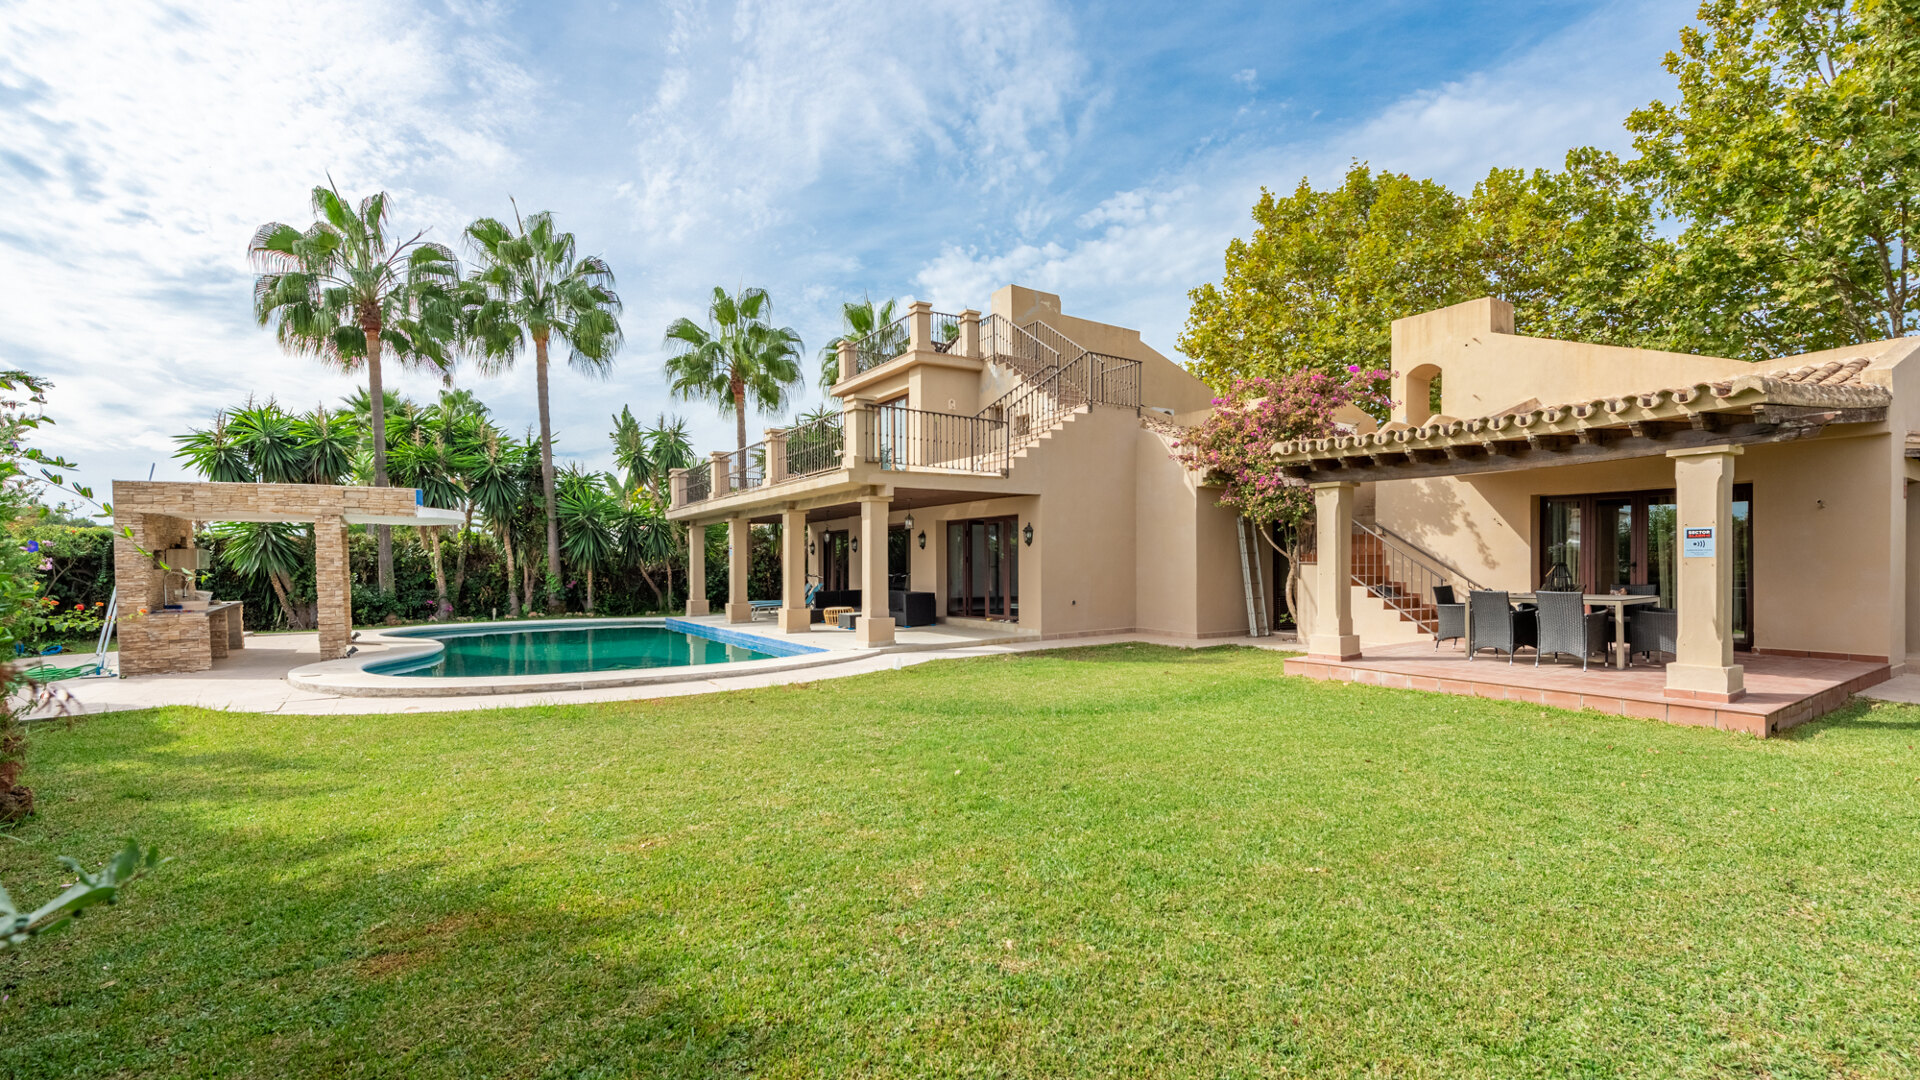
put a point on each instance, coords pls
(254, 679)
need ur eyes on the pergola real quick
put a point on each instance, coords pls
(1701, 427)
(151, 517)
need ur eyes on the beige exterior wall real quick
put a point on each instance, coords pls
(1832, 554)
(1124, 538)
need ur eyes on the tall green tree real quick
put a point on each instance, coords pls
(346, 293)
(1792, 158)
(859, 319)
(590, 517)
(532, 288)
(739, 359)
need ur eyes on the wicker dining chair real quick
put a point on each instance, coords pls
(1566, 627)
(1452, 616)
(1497, 626)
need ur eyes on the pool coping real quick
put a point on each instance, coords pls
(349, 678)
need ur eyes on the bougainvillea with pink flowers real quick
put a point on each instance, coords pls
(1235, 447)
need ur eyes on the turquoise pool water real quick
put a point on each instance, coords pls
(562, 650)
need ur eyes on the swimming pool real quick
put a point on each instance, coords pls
(495, 651)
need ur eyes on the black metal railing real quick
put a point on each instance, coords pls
(816, 446)
(882, 345)
(745, 468)
(946, 332)
(1401, 576)
(1001, 340)
(698, 483)
(900, 438)
(1034, 407)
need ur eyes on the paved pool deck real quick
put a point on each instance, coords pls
(255, 679)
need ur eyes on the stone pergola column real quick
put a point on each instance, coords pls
(332, 586)
(696, 570)
(874, 626)
(1703, 667)
(1333, 637)
(794, 616)
(739, 565)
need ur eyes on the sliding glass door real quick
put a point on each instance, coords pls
(983, 569)
(1599, 543)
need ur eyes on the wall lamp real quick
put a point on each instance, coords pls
(856, 544)
(923, 539)
(1027, 534)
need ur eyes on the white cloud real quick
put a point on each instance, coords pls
(145, 143)
(751, 115)
(1138, 251)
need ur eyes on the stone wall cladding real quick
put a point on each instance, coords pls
(159, 644)
(241, 502)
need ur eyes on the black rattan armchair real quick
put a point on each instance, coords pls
(1567, 627)
(1452, 616)
(1497, 626)
(1653, 630)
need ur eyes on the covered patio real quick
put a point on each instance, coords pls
(1702, 429)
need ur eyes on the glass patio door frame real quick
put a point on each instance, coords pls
(1596, 534)
(996, 585)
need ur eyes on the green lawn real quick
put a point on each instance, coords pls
(1125, 861)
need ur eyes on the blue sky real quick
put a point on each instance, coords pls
(1104, 151)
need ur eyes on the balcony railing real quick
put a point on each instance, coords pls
(898, 438)
(1002, 340)
(698, 484)
(744, 469)
(882, 345)
(816, 446)
(1030, 410)
(894, 339)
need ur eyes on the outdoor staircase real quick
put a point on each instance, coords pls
(1377, 570)
(1057, 380)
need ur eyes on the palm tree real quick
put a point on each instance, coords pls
(341, 291)
(861, 319)
(648, 456)
(738, 356)
(529, 287)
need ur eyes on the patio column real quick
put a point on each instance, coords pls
(849, 361)
(739, 565)
(1333, 637)
(333, 595)
(1703, 666)
(696, 570)
(969, 333)
(722, 473)
(776, 450)
(874, 626)
(794, 616)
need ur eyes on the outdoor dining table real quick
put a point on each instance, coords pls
(1619, 602)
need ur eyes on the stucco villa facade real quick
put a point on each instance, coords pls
(1766, 503)
(1002, 467)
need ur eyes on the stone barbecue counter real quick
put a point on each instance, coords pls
(171, 640)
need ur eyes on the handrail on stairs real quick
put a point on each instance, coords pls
(1401, 575)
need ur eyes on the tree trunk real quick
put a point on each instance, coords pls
(513, 587)
(546, 473)
(286, 601)
(740, 431)
(377, 412)
(589, 590)
(430, 539)
(460, 559)
(659, 604)
(527, 574)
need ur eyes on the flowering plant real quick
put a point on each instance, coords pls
(1235, 446)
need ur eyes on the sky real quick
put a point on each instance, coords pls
(824, 150)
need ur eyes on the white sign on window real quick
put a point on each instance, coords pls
(1697, 542)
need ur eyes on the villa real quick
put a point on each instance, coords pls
(1752, 519)
(994, 468)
